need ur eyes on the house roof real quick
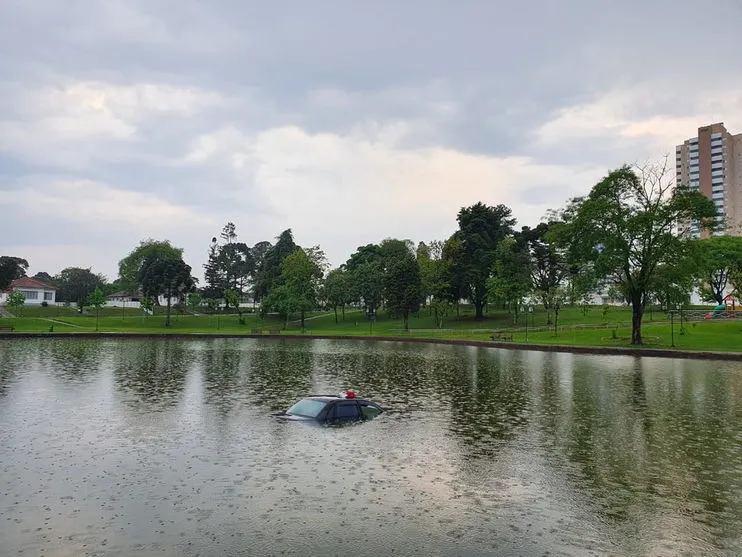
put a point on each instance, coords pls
(125, 294)
(27, 282)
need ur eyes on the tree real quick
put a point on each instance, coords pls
(75, 284)
(337, 290)
(511, 282)
(481, 229)
(297, 291)
(269, 273)
(11, 268)
(454, 258)
(548, 265)
(230, 266)
(402, 285)
(625, 229)
(97, 300)
(258, 252)
(716, 257)
(130, 266)
(168, 276)
(16, 300)
(366, 273)
(194, 301)
(44, 277)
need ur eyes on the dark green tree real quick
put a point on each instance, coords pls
(131, 265)
(625, 228)
(269, 274)
(402, 284)
(716, 258)
(481, 229)
(337, 290)
(167, 276)
(11, 268)
(75, 284)
(511, 282)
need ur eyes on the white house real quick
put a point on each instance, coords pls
(35, 291)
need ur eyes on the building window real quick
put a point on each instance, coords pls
(30, 294)
(48, 296)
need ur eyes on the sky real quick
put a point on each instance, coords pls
(347, 121)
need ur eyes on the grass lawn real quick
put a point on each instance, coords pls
(593, 327)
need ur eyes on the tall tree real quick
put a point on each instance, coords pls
(269, 274)
(511, 282)
(11, 268)
(337, 290)
(168, 276)
(230, 267)
(456, 265)
(366, 272)
(131, 265)
(299, 285)
(715, 258)
(402, 284)
(625, 228)
(75, 284)
(548, 265)
(481, 229)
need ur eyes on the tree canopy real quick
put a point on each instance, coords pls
(131, 265)
(166, 275)
(11, 268)
(625, 228)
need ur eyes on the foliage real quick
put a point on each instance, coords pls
(11, 268)
(268, 276)
(130, 266)
(716, 259)
(366, 274)
(96, 299)
(168, 276)
(402, 284)
(298, 289)
(511, 282)
(194, 301)
(337, 290)
(15, 301)
(230, 266)
(75, 284)
(481, 229)
(624, 229)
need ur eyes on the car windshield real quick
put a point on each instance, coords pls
(308, 408)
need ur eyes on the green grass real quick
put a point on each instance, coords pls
(576, 327)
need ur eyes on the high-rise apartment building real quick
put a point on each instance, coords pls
(711, 163)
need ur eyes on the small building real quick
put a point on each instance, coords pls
(34, 291)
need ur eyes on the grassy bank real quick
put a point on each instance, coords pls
(593, 327)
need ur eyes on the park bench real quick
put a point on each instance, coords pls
(7, 328)
(502, 336)
(256, 331)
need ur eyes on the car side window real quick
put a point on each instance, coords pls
(368, 411)
(346, 411)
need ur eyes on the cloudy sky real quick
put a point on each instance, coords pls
(346, 120)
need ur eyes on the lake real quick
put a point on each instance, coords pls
(170, 447)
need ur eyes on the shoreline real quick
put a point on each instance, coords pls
(564, 348)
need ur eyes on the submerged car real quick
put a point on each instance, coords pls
(333, 409)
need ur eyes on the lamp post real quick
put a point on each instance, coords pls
(530, 312)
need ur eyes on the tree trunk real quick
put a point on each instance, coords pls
(406, 321)
(167, 317)
(637, 312)
(342, 308)
(302, 320)
(479, 308)
(336, 314)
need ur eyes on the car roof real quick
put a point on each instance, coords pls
(330, 398)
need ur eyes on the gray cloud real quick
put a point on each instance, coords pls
(346, 121)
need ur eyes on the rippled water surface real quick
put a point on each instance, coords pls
(169, 447)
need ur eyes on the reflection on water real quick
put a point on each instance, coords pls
(170, 447)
